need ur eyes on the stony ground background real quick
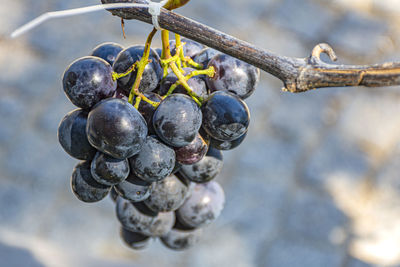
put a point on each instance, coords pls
(316, 183)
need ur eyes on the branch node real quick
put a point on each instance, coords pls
(322, 48)
(361, 78)
(290, 86)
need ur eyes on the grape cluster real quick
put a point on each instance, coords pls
(158, 158)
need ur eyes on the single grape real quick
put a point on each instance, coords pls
(87, 81)
(116, 128)
(85, 187)
(134, 189)
(135, 220)
(154, 162)
(190, 48)
(134, 240)
(72, 135)
(206, 169)
(152, 74)
(192, 152)
(178, 239)
(107, 51)
(227, 145)
(204, 56)
(148, 110)
(167, 195)
(108, 170)
(196, 83)
(233, 75)
(203, 206)
(177, 120)
(225, 116)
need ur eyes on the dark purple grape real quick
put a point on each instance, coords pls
(87, 81)
(190, 48)
(134, 189)
(167, 195)
(154, 162)
(113, 194)
(134, 220)
(192, 152)
(177, 120)
(72, 135)
(85, 187)
(196, 83)
(178, 239)
(108, 170)
(204, 56)
(152, 74)
(233, 75)
(225, 116)
(134, 240)
(203, 206)
(227, 145)
(107, 51)
(116, 128)
(206, 169)
(148, 110)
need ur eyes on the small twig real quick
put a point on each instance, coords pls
(123, 27)
(297, 74)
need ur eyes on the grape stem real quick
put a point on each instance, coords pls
(167, 59)
(297, 74)
(116, 76)
(209, 72)
(137, 102)
(175, 63)
(184, 61)
(141, 65)
(179, 53)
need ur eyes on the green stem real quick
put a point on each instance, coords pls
(185, 85)
(210, 72)
(166, 51)
(137, 102)
(172, 65)
(172, 88)
(179, 51)
(193, 64)
(116, 76)
(183, 60)
(141, 66)
(169, 60)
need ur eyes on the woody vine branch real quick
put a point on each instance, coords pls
(297, 74)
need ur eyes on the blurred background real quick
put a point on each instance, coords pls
(316, 182)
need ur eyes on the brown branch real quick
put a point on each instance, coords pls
(297, 74)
